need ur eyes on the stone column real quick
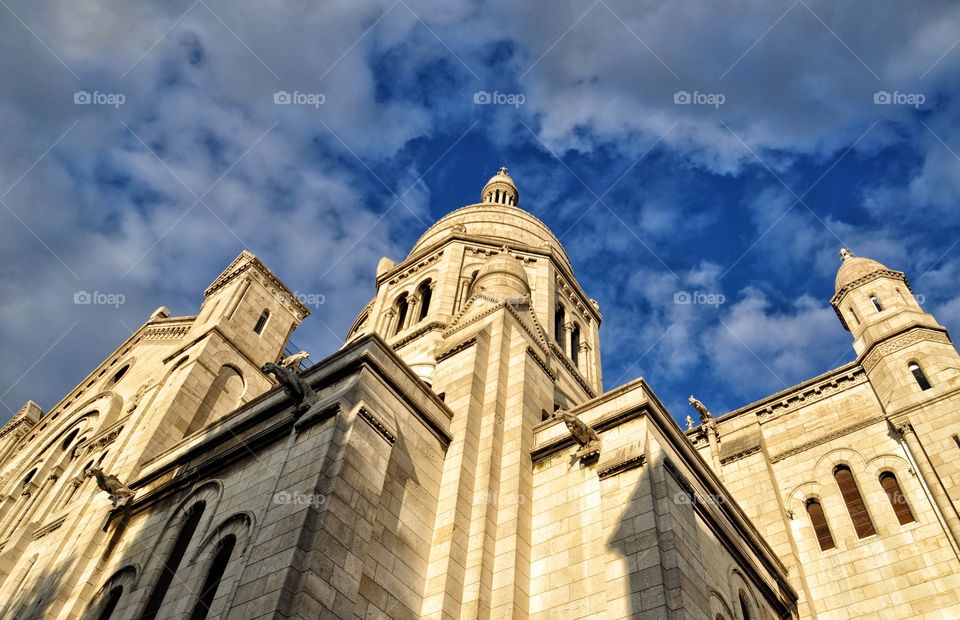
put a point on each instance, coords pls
(710, 426)
(931, 481)
(411, 312)
(586, 362)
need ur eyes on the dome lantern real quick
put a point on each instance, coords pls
(500, 189)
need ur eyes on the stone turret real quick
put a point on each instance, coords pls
(904, 350)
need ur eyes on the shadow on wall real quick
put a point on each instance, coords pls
(35, 595)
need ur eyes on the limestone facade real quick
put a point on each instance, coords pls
(459, 458)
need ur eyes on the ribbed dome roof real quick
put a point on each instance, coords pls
(855, 267)
(503, 224)
(503, 275)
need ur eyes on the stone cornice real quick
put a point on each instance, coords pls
(572, 370)
(167, 332)
(429, 327)
(739, 455)
(573, 298)
(541, 363)
(508, 305)
(18, 420)
(901, 341)
(463, 346)
(825, 438)
(377, 425)
(406, 269)
(802, 394)
(620, 466)
(50, 527)
(870, 277)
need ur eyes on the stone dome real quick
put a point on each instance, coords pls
(503, 276)
(855, 267)
(502, 224)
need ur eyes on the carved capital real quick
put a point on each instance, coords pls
(904, 428)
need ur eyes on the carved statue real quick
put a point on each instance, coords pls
(689, 423)
(845, 254)
(293, 361)
(582, 432)
(701, 409)
(120, 494)
(298, 389)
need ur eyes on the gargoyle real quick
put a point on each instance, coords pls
(701, 409)
(298, 389)
(582, 432)
(120, 494)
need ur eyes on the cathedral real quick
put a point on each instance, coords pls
(459, 458)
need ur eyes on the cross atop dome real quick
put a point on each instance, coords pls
(501, 189)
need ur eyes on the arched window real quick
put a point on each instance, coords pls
(401, 307)
(214, 574)
(424, 292)
(29, 476)
(854, 501)
(575, 345)
(899, 502)
(744, 605)
(853, 313)
(559, 319)
(876, 303)
(69, 439)
(919, 376)
(190, 522)
(261, 322)
(110, 605)
(819, 523)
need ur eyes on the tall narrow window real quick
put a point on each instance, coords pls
(214, 574)
(853, 313)
(558, 322)
(172, 563)
(261, 322)
(744, 606)
(897, 500)
(575, 345)
(819, 523)
(69, 439)
(876, 303)
(110, 605)
(401, 312)
(919, 375)
(425, 293)
(854, 501)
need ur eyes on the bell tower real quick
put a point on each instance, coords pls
(907, 354)
(473, 310)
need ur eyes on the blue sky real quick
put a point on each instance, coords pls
(727, 149)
